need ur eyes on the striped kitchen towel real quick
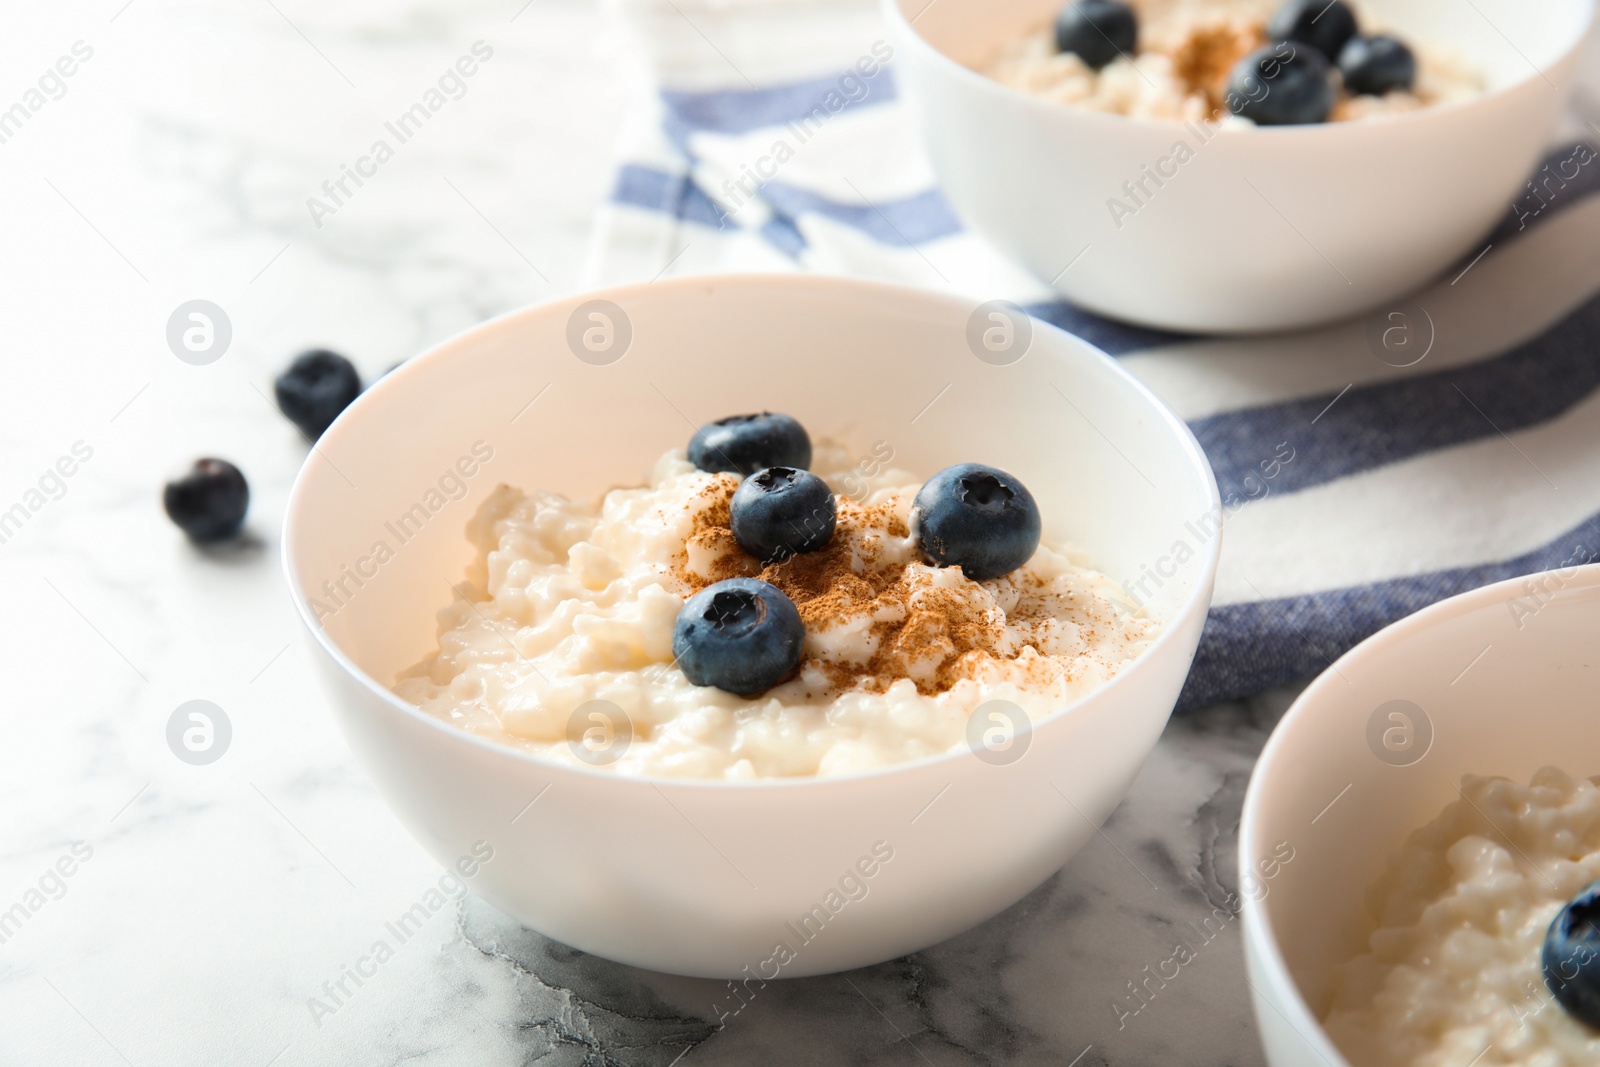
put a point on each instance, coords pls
(1357, 492)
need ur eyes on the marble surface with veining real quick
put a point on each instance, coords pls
(208, 907)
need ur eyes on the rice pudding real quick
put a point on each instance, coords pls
(1453, 975)
(1185, 54)
(573, 602)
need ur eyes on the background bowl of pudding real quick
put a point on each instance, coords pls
(704, 877)
(1498, 681)
(1256, 229)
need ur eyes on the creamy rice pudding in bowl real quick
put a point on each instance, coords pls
(708, 735)
(1236, 165)
(1439, 791)
(575, 621)
(1230, 63)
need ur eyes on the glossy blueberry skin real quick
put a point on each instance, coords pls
(977, 518)
(742, 636)
(1322, 25)
(209, 502)
(744, 444)
(780, 512)
(1282, 84)
(1097, 31)
(1377, 65)
(317, 386)
(1571, 957)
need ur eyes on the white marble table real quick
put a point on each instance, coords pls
(216, 901)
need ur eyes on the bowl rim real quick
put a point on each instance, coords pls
(1258, 932)
(906, 30)
(1196, 603)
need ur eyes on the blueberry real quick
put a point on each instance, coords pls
(1097, 31)
(744, 444)
(1323, 24)
(208, 503)
(742, 636)
(1282, 85)
(1377, 65)
(780, 511)
(1571, 956)
(977, 518)
(317, 386)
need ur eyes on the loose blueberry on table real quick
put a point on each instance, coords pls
(742, 636)
(209, 502)
(1278, 85)
(977, 518)
(1323, 25)
(780, 512)
(1377, 65)
(317, 386)
(744, 444)
(1097, 31)
(1571, 956)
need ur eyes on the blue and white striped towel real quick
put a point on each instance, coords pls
(1407, 484)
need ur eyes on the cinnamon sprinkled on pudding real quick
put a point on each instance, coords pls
(905, 620)
(1204, 56)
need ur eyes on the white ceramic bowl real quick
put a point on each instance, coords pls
(699, 877)
(1262, 229)
(1505, 680)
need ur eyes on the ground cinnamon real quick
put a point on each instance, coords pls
(933, 634)
(1206, 56)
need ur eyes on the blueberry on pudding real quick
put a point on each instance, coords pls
(1277, 85)
(741, 636)
(744, 444)
(781, 512)
(1571, 956)
(1377, 65)
(1097, 31)
(977, 518)
(1323, 24)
